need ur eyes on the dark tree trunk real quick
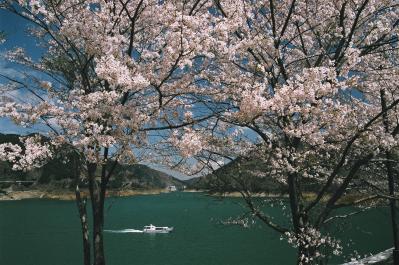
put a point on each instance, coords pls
(391, 185)
(294, 202)
(309, 253)
(392, 204)
(98, 224)
(81, 204)
(297, 217)
(97, 205)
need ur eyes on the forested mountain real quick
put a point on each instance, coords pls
(58, 173)
(238, 175)
(242, 174)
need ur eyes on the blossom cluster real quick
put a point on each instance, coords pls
(190, 143)
(33, 154)
(313, 243)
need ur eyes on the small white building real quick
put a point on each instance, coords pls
(172, 188)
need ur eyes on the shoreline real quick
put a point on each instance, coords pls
(236, 194)
(68, 195)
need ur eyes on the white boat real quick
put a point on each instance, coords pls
(157, 229)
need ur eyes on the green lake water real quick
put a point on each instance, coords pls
(47, 232)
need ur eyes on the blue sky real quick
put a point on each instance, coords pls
(15, 29)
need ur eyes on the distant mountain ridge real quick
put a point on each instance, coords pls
(226, 179)
(254, 178)
(58, 174)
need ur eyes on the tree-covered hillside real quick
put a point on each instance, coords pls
(245, 174)
(59, 173)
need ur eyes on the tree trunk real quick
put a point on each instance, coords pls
(97, 205)
(294, 202)
(304, 253)
(391, 185)
(98, 224)
(392, 204)
(81, 204)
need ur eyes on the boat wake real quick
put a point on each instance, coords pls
(151, 229)
(124, 231)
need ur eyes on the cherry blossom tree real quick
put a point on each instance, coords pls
(112, 73)
(312, 87)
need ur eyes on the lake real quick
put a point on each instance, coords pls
(47, 232)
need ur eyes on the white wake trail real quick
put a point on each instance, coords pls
(124, 231)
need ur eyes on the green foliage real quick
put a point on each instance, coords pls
(9, 138)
